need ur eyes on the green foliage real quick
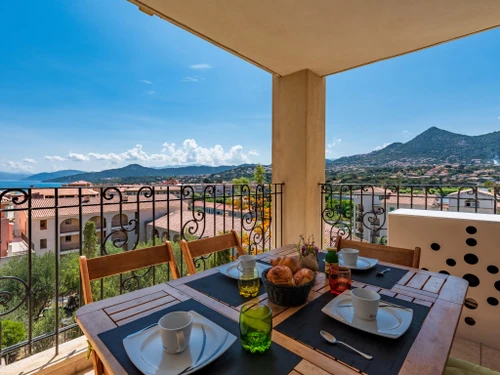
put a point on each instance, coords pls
(241, 181)
(90, 240)
(12, 332)
(259, 174)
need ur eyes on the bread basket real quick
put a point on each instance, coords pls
(285, 295)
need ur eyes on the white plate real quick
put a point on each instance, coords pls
(231, 269)
(145, 349)
(391, 322)
(362, 263)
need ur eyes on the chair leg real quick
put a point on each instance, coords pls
(98, 366)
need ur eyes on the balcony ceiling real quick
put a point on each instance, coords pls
(325, 36)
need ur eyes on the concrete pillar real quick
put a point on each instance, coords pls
(298, 155)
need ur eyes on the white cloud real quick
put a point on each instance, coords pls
(381, 147)
(77, 157)
(146, 81)
(30, 161)
(330, 146)
(498, 117)
(54, 158)
(150, 92)
(20, 166)
(189, 79)
(200, 66)
(171, 154)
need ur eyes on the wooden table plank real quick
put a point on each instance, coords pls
(93, 323)
(454, 290)
(418, 281)
(135, 302)
(310, 355)
(144, 313)
(307, 368)
(431, 348)
(434, 284)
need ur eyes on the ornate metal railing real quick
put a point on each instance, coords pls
(41, 289)
(360, 211)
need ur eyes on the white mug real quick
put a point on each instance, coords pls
(365, 303)
(246, 262)
(349, 257)
(175, 331)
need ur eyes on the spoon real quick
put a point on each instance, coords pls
(332, 340)
(381, 273)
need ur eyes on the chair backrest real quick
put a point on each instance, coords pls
(197, 248)
(389, 254)
(109, 265)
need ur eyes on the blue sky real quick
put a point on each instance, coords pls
(90, 84)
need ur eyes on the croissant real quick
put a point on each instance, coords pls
(291, 262)
(303, 276)
(281, 275)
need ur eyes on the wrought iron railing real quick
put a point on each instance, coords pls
(40, 291)
(360, 211)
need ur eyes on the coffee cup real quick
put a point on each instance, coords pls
(175, 331)
(246, 263)
(365, 303)
(349, 257)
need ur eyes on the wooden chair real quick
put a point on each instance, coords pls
(195, 249)
(389, 254)
(109, 265)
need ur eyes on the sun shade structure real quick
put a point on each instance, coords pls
(325, 36)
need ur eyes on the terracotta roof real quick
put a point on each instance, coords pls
(220, 206)
(63, 192)
(369, 191)
(468, 191)
(415, 200)
(69, 206)
(79, 183)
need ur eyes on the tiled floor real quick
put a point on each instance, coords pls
(463, 349)
(476, 353)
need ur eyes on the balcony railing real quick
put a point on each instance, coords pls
(360, 211)
(40, 291)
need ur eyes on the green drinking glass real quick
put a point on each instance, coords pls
(256, 325)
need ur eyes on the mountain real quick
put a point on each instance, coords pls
(433, 146)
(51, 175)
(7, 176)
(136, 170)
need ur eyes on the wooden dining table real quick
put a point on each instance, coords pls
(443, 294)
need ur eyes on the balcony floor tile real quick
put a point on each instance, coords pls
(467, 350)
(490, 358)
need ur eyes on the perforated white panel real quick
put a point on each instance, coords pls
(464, 245)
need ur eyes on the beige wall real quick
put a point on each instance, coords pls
(459, 253)
(298, 154)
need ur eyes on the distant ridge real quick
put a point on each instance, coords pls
(433, 146)
(7, 176)
(136, 170)
(51, 175)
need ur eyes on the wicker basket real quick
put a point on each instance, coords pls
(285, 295)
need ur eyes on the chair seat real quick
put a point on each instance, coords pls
(457, 366)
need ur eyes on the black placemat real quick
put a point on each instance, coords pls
(277, 360)
(370, 277)
(388, 354)
(222, 288)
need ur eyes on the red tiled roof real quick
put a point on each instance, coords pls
(43, 208)
(415, 200)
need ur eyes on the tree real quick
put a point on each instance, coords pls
(259, 174)
(12, 333)
(90, 240)
(241, 181)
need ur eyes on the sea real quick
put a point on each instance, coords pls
(10, 184)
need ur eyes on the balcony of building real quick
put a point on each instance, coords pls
(299, 43)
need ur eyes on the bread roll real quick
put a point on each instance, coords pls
(303, 276)
(291, 262)
(281, 275)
